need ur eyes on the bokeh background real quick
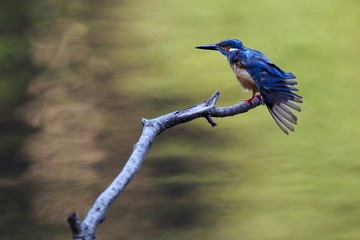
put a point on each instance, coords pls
(76, 77)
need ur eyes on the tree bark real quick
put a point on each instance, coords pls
(86, 229)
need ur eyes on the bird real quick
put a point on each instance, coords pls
(256, 73)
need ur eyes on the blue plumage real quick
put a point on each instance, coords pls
(257, 73)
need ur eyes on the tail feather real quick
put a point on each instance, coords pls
(287, 110)
(291, 118)
(292, 105)
(282, 119)
(279, 96)
(279, 123)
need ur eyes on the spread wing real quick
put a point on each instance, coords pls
(276, 87)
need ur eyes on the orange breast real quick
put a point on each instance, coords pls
(246, 81)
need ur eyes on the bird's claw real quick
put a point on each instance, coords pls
(259, 96)
(252, 98)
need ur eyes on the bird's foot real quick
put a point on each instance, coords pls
(252, 98)
(259, 96)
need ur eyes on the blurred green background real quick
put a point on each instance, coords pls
(76, 77)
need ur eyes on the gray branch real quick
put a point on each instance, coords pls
(86, 229)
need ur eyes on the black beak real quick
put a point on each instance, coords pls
(208, 47)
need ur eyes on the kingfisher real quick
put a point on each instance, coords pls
(256, 73)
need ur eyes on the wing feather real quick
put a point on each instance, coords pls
(276, 87)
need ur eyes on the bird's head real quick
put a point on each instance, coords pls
(225, 47)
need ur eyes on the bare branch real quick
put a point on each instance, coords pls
(86, 230)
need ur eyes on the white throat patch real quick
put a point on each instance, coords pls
(233, 49)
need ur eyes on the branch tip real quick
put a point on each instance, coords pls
(144, 121)
(213, 99)
(211, 121)
(74, 222)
